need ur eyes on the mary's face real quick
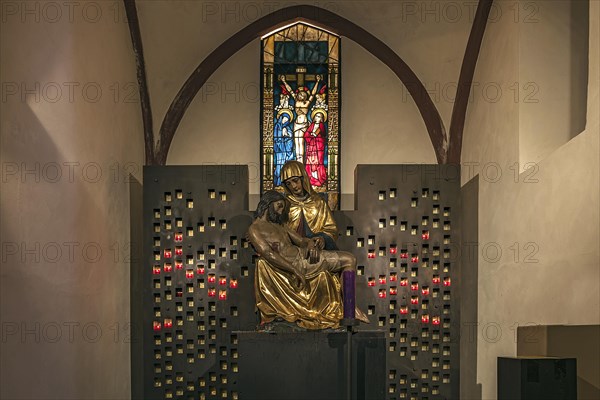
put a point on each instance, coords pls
(318, 118)
(294, 184)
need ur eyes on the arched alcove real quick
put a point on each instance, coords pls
(327, 20)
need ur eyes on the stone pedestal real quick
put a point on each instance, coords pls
(310, 365)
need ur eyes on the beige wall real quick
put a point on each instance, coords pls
(552, 79)
(545, 220)
(65, 314)
(221, 125)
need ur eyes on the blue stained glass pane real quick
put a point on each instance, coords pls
(301, 52)
(313, 52)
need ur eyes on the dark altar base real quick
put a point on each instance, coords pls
(197, 287)
(310, 365)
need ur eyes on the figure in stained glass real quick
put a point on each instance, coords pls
(315, 137)
(283, 139)
(302, 101)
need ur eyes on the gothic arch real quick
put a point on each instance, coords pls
(327, 20)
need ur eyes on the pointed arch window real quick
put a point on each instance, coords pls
(300, 106)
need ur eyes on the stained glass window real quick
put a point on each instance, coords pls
(300, 107)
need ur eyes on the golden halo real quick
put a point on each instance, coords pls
(285, 111)
(315, 111)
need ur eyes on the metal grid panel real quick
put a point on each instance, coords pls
(405, 235)
(198, 280)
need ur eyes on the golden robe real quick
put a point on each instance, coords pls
(318, 306)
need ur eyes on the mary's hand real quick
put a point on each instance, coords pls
(319, 242)
(314, 249)
(313, 256)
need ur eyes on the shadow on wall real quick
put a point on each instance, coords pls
(53, 201)
(579, 42)
(469, 388)
(136, 286)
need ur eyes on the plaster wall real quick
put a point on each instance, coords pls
(538, 251)
(552, 78)
(69, 137)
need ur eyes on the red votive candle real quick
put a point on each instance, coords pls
(349, 279)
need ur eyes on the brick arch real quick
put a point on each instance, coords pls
(327, 20)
